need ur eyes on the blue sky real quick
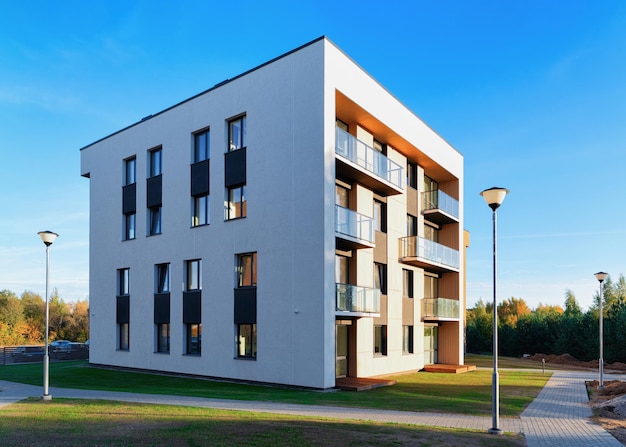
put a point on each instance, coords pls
(533, 93)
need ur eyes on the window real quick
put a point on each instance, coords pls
(431, 286)
(201, 146)
(163, 337)
(236, 202)
(407, 283)
(340, 124)
(246, 340)
(380, 277)
(342, 196)
(124, 337)
(193, 275)
(246, 270)
(122, 310)
(380, 147)
(194, 339)
(237, 134)
(407, 339)
(154, 220)
(431, 233)
(342, 269)
(411, 175)
(162, 276)
(380, 216)
(130, 171)
(380, 340)
(130, 221)
(155, 162)
(123, 282)
(411, 223)
(200, 210)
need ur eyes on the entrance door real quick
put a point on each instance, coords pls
(430, 345)
(341, 362)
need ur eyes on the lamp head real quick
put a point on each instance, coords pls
(601, 276)
(494, 196)
(47, 237)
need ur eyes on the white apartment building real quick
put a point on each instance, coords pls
(291, 225)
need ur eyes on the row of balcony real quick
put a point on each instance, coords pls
(356, 230)
(357, 300)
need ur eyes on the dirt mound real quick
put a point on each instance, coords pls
(566, 359)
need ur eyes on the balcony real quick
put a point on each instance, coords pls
(359, 162)
(357, 301)
(440, 309)
(439, 207)
(429, 255)
(353, 230)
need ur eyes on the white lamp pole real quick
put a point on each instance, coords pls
(494, 198)
(47, 238)
(601, 276)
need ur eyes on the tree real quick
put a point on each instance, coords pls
(510, 310)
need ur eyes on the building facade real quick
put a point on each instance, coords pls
(291, 225)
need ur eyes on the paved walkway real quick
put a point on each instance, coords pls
(559, 416)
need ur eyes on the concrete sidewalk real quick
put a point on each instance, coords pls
(559, 416)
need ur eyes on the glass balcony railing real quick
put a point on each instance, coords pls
(367, 157)
(351, 298)
(440, 308)
(419, 247)
(432, 200)
(353, 224)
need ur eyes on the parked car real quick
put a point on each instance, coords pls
(60, 349)
(28, 354)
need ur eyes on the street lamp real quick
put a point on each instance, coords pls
(494, 198)
(47, 238)
(601, 276)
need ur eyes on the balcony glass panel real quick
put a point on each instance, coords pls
(440, 308)
(419, 247)
(351, 298)
(432, 200)
(367, 157)
(354, 224)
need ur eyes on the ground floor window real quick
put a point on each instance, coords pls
(123, 337)
(194, 339)
(246, 340)
(163, 337)
(407, 339)
(380, 340)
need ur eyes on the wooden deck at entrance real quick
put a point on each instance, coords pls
(361, 383)
(454, 369)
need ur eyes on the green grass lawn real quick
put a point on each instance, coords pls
(468, 393)
(79, 422)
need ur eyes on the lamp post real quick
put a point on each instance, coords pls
(494, 198)
(47, 238)
(601, 276)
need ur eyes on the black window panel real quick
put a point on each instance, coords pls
(161, 308)
(129, 199)
(192, 307)
(200, 178)
(235, 168)
(154, 187)
(123, 309)
(245, 305)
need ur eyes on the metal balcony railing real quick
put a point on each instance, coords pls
(351, 298)
(433, 200)
(353, 224)
(419, 247)
(368, 158)
(440, 308)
